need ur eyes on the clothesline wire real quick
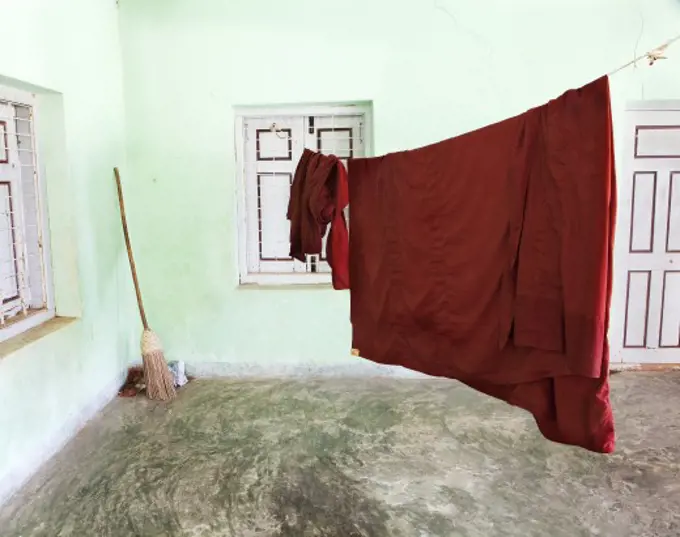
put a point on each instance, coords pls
(652, 56)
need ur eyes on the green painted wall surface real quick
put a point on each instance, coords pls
(430, 75)
(68, 51)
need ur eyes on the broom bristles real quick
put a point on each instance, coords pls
(160, 384)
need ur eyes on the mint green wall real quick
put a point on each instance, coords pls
(68, 52)
(188, 62)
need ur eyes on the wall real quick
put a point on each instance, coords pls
(430, 75)
(68, 52)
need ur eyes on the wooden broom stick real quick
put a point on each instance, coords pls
(158, 378)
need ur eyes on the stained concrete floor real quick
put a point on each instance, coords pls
(349, 458)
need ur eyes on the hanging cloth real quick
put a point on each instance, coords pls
(487, 258)
(319, 195)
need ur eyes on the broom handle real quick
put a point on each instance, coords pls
(128, 245)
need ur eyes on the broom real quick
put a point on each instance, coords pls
(157, 376)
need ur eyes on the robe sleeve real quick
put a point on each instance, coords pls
(337, 245)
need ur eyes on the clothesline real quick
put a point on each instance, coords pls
(651, 56)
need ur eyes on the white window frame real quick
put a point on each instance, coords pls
(242, 114)
(16, 325)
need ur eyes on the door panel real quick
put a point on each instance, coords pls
(646, 302)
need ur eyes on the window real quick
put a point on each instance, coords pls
(269, 145)
(25, 285)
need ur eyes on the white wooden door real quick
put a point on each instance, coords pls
(646, 303)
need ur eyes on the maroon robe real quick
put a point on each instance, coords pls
(487, 258)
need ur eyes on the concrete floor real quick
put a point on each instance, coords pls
(349, 458)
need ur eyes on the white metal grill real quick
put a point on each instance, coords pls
(272, 146)
(23, 282)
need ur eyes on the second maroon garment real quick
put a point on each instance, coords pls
(318, 197)
(487, 258)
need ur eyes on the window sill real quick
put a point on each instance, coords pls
(30, 336)
(291, 281)
(285, 286)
